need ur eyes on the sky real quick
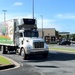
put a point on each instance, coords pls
(58, 14)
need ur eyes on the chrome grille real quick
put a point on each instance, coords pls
(38, 44)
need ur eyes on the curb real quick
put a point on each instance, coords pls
(13, 65)
(7, 66)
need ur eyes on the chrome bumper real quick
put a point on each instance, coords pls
(37, 51)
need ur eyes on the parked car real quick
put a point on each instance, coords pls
(64, 42)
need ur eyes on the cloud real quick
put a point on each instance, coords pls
(66, 16)
(47, 23)
(1, 18)
(18, 4)
(14, 16)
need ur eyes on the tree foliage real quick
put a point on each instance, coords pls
(73, 37)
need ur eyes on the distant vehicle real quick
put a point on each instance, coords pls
(64, 42)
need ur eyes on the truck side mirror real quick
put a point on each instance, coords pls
(27, 41)
(22, 41)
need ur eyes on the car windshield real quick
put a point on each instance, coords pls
(28, 33)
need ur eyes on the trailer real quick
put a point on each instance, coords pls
(7, 35)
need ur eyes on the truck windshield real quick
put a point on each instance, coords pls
(28, 33)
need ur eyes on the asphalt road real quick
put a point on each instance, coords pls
(56, 64)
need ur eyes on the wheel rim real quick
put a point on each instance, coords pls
(22, 53)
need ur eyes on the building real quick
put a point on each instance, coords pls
(64, 35)
(48, 34)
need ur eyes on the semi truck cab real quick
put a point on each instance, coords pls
(30, 43)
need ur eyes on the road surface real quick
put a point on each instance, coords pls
(56, 64)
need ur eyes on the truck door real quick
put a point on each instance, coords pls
(20, 38)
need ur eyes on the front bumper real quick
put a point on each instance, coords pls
(37, 51)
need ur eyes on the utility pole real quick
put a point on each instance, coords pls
(42, 26)
(6, 33)
(4, 14)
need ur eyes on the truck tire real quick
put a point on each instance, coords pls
(45, 55)
(19, 52)
(0, 48)
(23, 54)
(4, 50)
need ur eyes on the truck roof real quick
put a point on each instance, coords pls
(9, 20)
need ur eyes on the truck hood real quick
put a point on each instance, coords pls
(38, 42)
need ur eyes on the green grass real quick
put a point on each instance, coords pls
(54, 47)
(63, 49)
(4, 61)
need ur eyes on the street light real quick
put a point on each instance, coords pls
(33, 8)
(42, 26)
(4, 14)
(5, 21)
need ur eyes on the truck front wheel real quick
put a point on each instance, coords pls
(23, 54)
(45, 55)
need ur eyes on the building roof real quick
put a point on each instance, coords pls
(46, 29)
(64, 33)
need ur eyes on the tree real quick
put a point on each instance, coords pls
(57, 34)
(73, 36)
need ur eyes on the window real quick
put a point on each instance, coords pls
(29, 21)
(52, 38)
(21, 35)
(29, 33)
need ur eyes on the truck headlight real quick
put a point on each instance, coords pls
(46, 46)
(29, 47)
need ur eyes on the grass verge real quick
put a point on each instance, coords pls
(4, 61)
(63, 49)
(55, 47)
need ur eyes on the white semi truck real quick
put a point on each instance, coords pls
(21, 35)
